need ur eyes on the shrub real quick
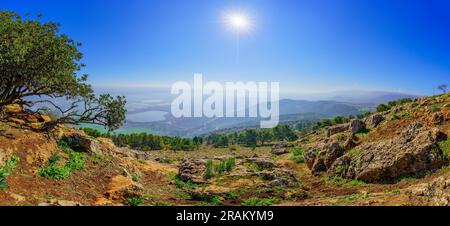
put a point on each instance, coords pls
(9, 166)
(382, 108)
(134, 201)
(298, 159)
(230, 164)
(298, 152)
(56, 172)
(209, 170)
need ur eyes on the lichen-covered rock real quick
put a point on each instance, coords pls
(414, 151)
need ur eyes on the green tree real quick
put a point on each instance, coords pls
(39, 65)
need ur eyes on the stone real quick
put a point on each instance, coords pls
(279, 151)
(337, 129)
(438, 118)
(121, 188)
(192, 170)
(356, 126)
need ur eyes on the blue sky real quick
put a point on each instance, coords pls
(306, 45)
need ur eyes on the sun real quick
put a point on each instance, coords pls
(238, 21)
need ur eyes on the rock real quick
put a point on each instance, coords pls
(192, 170)
(413, 151)
(310, 157)
(85, 144)
(434, 193)
(319, 164)
(356, 126)
(337, 129)
(45, 118)
(122, 187)
(281, 145)
(262, 163)
(349, 143)
(334, 152)
(279, 151)
(13, 109)
(17, 121)
(438, 118)
(374, 120)
(55, 202)
(279, 178)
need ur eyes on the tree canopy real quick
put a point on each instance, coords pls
(38, 65)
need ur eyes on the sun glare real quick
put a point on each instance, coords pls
(238, 22)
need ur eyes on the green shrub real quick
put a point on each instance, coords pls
(445, 147)
(230, 164)
(297, 152)
(435, 108)
(209, 171)
(382, 108)
(54, 171)
(134, 201)
(395, 117)
(5, 170)
(298, 159)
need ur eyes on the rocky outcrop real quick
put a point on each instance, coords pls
(279, 178)
(437, 118)
(412, 152)
(434, 193)
(262, 163)
(337, 129)
(356, 126)
(320, 160)
(374, 120)
(192, 170)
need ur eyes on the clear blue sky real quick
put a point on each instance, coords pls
(307, 45)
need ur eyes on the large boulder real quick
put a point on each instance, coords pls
(412, 152)
(334, 152)
(374, 120)
(84, 143)
(356, 126)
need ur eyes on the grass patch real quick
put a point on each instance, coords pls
(222, 167)
(349, 198)
(344, 182)
(6, 169)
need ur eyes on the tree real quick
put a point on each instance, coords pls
(443, 88)
(265, 135)
(39, 67)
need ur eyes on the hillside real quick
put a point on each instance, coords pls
(395, 157)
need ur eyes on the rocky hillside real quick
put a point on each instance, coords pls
(395, 157)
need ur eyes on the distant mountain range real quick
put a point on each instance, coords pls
(149, 111)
